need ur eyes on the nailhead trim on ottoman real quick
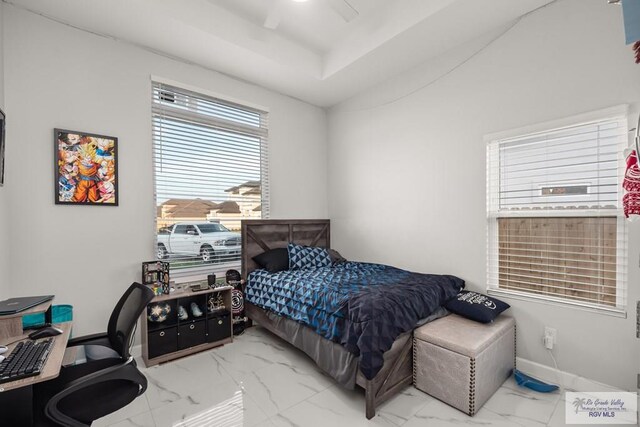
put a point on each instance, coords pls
(463, 362)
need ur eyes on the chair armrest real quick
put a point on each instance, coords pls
(87, 339)
(121, 371)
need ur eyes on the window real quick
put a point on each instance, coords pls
(179, 229)
(211, 228)
(210, 168)
(555, 227)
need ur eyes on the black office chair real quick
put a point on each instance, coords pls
(88, 391)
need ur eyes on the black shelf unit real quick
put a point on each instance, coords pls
(173, 337)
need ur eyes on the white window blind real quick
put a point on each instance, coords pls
(555, 227)
(211, 172)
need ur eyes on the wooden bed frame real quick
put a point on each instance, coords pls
(261, 235)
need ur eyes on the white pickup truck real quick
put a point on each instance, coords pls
(210, 241)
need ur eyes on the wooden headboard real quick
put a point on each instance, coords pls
(260, 235)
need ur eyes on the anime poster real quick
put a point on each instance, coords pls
(86, 168)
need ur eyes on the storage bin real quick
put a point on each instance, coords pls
(59, 314)
(163, 342)
(191, 334)
(219, 327)
(462, 362)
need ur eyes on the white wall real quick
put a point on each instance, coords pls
(61, 77)
(4, 203)
(407, 179)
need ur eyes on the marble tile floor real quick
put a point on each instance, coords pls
(260, 380)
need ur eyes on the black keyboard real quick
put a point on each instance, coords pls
(26, 360)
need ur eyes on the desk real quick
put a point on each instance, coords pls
(51, 367)
(18, 395)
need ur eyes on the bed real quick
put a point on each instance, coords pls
(382, 370)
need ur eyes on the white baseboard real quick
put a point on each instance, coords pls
(563, 379)
(136, 350)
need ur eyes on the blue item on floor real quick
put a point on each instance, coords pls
(524, 380)
(59, 313)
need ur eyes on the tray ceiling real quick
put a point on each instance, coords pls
(320, 51)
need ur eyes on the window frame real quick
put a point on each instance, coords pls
(492, 266)
(200, 272)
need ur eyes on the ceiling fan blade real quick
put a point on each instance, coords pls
(274, 15)
(344, 9)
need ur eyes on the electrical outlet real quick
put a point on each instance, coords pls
(550, 337)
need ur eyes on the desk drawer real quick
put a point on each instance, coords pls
(191, 334)
(162, 342)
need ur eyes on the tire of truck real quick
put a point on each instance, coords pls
(162, 251)
(207, 254)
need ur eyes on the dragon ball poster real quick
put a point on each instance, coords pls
(86, 168)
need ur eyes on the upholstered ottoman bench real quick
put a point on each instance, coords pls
(463, 362)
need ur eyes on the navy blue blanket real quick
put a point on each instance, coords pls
(364, 307)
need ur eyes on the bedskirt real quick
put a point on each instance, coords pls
(332, 358)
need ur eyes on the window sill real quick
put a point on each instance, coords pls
(615, 312)
(201, 272)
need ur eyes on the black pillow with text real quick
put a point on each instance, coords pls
(475, 306)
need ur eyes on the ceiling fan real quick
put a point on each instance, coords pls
(341, 7)
(344, 9)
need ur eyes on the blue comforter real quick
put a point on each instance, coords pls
(362, 306)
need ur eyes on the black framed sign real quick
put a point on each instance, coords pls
(86, 168)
